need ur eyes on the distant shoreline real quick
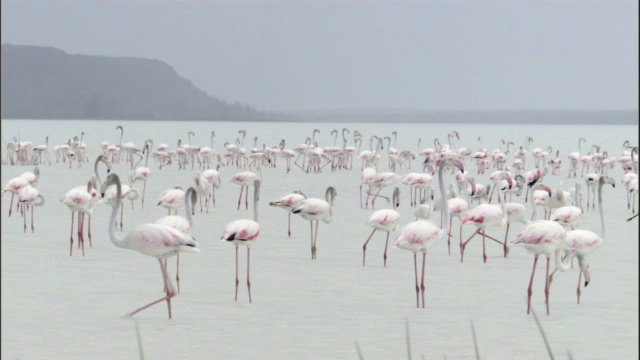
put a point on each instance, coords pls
(546, 117)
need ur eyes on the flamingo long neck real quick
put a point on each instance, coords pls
(189, 204)
(114, 212)
(41, 202)
(396, 195)
(256, 198)
(560, 265)
(443, 195)
(600, 208)
(213, 134)
(95, 170)
(121, 134)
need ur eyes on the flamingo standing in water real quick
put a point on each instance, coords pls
(420, 235)
(159, 241)
(172, 199)
(182, 224)
(483, 216)
(17, 183)
(314, 209)
(27, 197)
(143, 172)
(288, 202)
(581, 243)
(245, 179)
(384, 220)
(244, 232)
(543, 237)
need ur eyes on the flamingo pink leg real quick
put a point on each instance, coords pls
(248, 279)
(386, 244)
(11, 205)
(171, 292)
(24, 218)
(289, 225)
(237, 281)
(32, 228)
(422, 287)
(71, 237)
(364, 247)
(530, 289)
(89, 231)
(547, 286)
(178, 271)
(415, 266)
(240, 197)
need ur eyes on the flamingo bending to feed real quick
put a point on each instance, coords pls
(27, 197)
(288, 202)
(581, 243)
(159, 241)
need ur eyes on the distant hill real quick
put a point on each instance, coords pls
(47, 83)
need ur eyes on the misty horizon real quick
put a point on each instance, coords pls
(373, 56)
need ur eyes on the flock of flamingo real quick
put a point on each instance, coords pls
(556, 235)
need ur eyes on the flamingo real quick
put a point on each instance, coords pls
(203, 188)
(213, 177)
(159, 241)
(384, 220)
(483, 216)
(288, 202)
(314, 209)
(380, 181)
(127, 192)
(457, 207)
(143, 172)
(592, 182)
(181, 223)
(244, 179)
(569, 215)
(244, 232)
(27, 197)
(583, 242)
(14, 186)
(420, 235)
(543, 237)
(172, 199)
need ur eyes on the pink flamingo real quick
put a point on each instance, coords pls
(483, 216)
(213, 177)
(583, 242)
(384, 220)
(244, 232)
(159, 241)
(420, 235)
(244, 179)
(27, 197)
(83, 201)
(380, 181)
(288, 202)
(14, 186)
(543, 237)
(143, 172)
(182, 224)
(172, 199)
(569, 215)
(314, 209)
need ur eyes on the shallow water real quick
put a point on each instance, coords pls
(57, 306)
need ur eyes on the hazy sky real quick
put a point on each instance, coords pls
(304, 55)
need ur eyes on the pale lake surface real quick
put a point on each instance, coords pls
(56, 306)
